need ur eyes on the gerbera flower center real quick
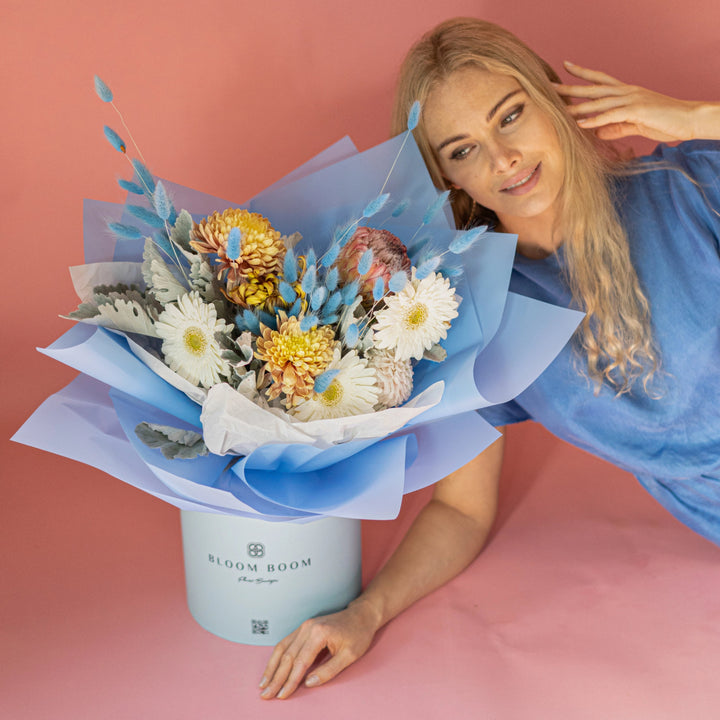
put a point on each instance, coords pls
(195, 341)
(333, 395)
(416, 316)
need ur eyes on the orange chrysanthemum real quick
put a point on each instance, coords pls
(294, 358)
(262, 249)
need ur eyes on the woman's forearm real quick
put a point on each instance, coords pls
(444, 539)
(706, 121)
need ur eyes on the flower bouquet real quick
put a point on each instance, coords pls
(304, 358)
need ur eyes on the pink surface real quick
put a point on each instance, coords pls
(591, 602)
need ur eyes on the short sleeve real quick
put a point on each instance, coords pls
(505, 414)
(696, 188)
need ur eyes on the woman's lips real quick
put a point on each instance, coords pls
(523, 182)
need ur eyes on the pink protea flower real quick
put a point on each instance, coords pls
(389, 256)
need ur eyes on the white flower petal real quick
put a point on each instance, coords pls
(188, 329)
(417, 317)
(352, 392)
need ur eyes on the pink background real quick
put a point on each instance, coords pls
(591, 602)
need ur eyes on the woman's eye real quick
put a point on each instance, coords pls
(514, 114)
(460, 153)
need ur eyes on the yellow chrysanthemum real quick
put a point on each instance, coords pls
(262, 293)
(254, 292)
(294, 358)
(262, 249)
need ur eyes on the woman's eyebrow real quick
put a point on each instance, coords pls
(489, 117)
(498, 105)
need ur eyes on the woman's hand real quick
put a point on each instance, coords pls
(616, 110)
(346, 635)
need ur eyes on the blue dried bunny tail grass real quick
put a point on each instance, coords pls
(287, 292)
(318, 297)
(378, 289)
(350, 292)
(365, 262)
(131, 187)
(413, 120)
(144, 176)
(329, 319)
(127, 232)
(463, 241)
(414, 115)
(247, 320)
(400, 208)
(342, 234)
(105, 94)
(376, 205)
(147, 216)
(323, 381)
(435, 206)
(268, 320)
(115, 140)
(429, 266)
(162, 204)
(290, 267)
(102, 90)
(308, 323)
(398, 281)
(234, 242)
(331, 279)
(309, 279)
(331, 255)
(333, 302)
(165, 245)
(296, 308)
(352, 335)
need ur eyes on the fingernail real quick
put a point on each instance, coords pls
(265, 693)
(567, 62)
(282, 693)
(264, 682)
(312, 681)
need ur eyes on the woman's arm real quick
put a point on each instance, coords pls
(443, 540)
(615, 110)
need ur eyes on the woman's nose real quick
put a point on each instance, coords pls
(503, 157)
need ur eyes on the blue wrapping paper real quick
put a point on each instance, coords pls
(495, 348)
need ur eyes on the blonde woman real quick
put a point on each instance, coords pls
(635, 245)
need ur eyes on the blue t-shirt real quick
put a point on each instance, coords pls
(671, 444)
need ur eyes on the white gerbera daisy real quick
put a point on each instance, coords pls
(188, 329)
(417, 317)
(394, 377)
(352, 392)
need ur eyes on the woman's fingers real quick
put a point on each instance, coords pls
(277, 655)
(328, 670)
(314, 644)
(593, 107)
(593, 76)
(291, 659)
(590, 91)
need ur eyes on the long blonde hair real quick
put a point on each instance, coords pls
(615, 336)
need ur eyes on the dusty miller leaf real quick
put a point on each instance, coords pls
(84, 312)
(174, 443)
(158, 275)
(181, 231)
(130, 312)
(203, 280)
(436, 353)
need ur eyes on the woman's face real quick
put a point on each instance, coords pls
(493, 141)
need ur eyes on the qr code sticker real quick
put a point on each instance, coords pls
(260, 627)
